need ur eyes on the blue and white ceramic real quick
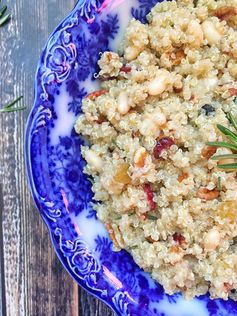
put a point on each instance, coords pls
(60, 189)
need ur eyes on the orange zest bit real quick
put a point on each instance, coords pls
(179, 55)
(92, 96)
(176, 249)
(183, 176)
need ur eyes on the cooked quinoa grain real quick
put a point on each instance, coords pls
(163, 198)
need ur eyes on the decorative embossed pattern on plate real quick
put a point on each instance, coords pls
(66, 74)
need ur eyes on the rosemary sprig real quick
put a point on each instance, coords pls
(227, 132)
(11, 106)
(4, 18)
(232, 145)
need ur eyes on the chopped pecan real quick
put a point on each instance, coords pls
(205, 194)
(208, 151)
(225, 12)
(150, 239)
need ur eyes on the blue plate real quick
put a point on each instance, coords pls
(61, 191)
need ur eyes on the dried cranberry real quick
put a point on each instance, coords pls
(162, 144)
(150, 195)
(178, 238)
(126, 69)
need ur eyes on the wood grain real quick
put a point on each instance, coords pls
(32, 281)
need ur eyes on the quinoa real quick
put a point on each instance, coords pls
(162, 198)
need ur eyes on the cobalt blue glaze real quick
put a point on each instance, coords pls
(54, 164)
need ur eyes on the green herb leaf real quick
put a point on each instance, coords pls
(3, 10)
(232, 120)
(219, 186)
(14, 102)
(228, 166)
(10, 107)
(9, 110)
(227, 156)
(227, 132)
(223, 144)
(152, 217)
(5, 19)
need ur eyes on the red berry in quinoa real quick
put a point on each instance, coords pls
(162, 144)
(150, 195)
(178, 238)
(126, 69)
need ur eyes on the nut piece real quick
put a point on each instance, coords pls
(210, 32)
(158, 85)
(93, 160)
(118, 242)
(177, 58)
(158, 118)
(232, 92)
(131, 53)
(208, 151)
(205, 194)
(148, 127)
(212, 239)
(140, 157)
(225, 13)
(123, 106)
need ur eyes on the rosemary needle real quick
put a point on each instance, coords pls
(219, 186)
(152, 217)
(3, 10)
(11, 106)
(4, 18)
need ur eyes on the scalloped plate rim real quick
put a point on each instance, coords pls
(29, 175)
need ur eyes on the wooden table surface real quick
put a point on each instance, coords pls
(32, 281)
